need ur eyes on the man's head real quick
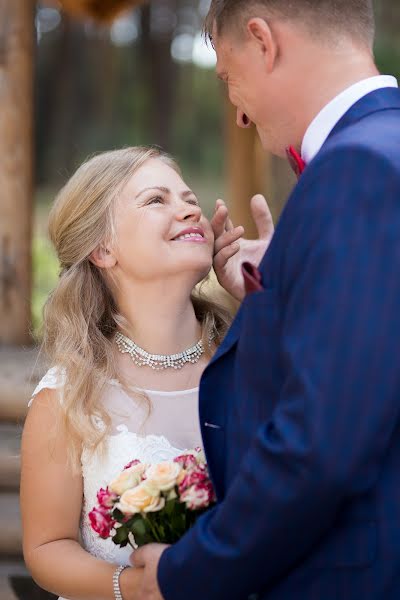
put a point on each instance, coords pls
(284, 59)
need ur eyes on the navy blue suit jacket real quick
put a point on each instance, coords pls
(300, 407)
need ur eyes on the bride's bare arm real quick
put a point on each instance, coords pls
(51, 502)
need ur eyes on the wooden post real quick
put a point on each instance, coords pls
(247, 166)
(16, 109)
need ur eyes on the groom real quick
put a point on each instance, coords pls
(300, 407)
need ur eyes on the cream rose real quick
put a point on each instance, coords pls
(128, 479)
(143, 498)
(164, 475)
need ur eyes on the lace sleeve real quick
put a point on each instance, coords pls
(53, 379)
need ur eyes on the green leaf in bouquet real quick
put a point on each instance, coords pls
(141, 532)
(170, 507)
(118, 515)
(121, 536)
(132, 520)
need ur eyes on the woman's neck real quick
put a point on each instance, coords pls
(160, 316)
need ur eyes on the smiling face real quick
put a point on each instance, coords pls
(238, 69)
(160, 229)
(259, 83)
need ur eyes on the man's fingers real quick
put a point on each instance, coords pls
(138, 558)
(228, 224)
(228, 238)
(219, 219)
(224, 255)
(262, 217)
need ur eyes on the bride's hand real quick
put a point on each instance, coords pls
(130, 583)
(231, 250)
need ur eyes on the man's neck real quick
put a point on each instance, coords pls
(330, 80)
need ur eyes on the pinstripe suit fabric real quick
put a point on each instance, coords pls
(304, 393)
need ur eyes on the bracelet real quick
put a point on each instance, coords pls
(117, 591)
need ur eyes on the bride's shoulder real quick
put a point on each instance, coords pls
(54, 379)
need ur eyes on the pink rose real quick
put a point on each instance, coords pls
(197, 496)
(195, 477)
(132, 464)
(101, 521)
(187, 461)
(105, 498)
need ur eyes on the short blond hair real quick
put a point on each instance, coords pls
(325, 18)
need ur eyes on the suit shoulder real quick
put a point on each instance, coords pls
(350, 179)
(375, 139)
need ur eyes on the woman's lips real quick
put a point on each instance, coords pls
(191, 234)
(197, 239)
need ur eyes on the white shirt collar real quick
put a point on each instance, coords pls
(320, 128)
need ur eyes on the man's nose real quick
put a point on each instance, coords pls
(242, 120)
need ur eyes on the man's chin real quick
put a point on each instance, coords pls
(270, 144)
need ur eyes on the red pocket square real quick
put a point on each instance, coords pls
(252, 278)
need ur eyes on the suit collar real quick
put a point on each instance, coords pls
(379, 100)
(322, 125)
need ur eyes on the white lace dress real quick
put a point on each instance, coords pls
(172, 426)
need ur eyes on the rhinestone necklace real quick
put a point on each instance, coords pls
(158, 362)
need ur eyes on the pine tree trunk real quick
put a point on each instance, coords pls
(16, 101)
(247, 167)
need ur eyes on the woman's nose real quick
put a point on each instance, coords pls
(189, 212)
(242, 120)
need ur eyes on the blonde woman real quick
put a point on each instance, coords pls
(132, 244)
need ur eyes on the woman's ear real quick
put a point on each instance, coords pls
(103, 258)
(260, 32)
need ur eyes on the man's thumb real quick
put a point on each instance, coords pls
(138, 558)
(262, 217)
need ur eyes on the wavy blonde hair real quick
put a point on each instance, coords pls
(80, 315)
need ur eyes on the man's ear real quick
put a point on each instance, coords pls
(260, 31)
(103, 258)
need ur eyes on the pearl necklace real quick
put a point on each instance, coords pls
(158, 362)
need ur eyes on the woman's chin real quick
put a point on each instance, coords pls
(196, 270)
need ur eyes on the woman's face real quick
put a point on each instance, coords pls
(160, 229)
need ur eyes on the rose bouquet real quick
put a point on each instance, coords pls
(153, 503)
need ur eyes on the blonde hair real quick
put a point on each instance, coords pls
(80, 315)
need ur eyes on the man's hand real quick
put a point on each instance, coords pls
(230, 250)
(147, 558)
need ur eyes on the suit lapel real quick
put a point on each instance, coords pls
(230, 338)
(382, 99)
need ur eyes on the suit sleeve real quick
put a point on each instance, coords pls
(340, 331)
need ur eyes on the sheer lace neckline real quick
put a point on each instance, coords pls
(159, 392)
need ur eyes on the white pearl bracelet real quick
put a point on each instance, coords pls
(117, 591)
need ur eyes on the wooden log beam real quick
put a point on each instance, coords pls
(16, 102)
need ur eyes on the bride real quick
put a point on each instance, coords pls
(132, 244)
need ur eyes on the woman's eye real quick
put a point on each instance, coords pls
(156, 200)
(193, 201)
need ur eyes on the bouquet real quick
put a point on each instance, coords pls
(154, 503)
